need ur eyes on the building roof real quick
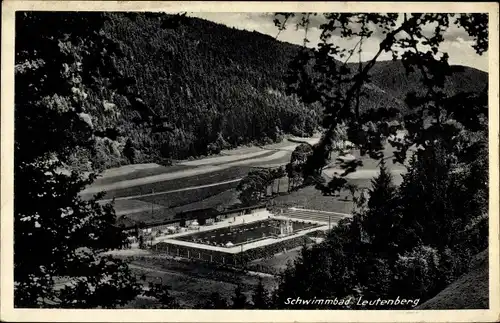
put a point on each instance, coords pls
(253, 207)
(128, 224)
(197, 214)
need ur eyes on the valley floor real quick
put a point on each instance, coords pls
(152, 192)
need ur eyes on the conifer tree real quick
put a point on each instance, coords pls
(381, 219)
(239, 299)
(215, 301)
(260, 297)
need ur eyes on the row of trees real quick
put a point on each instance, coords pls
(255, 186)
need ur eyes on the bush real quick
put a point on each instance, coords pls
(416, 273)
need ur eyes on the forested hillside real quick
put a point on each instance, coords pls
(205, 87)
(392, 81)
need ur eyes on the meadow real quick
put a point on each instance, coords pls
(184, 182)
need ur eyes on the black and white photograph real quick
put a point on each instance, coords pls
(183, 159)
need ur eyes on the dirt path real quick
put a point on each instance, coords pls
(222, 159)
(360, 173)
(117, 171)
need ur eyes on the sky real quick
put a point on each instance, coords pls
(457, 43)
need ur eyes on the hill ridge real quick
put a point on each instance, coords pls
(209, 87)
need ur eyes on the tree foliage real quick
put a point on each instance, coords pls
(255, 186)
(408, 237)
(215, 301)
(382, 214)
(295, 168)
(316, 75)
(162, 294)
(58, 237)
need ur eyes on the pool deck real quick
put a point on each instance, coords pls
(244, 219)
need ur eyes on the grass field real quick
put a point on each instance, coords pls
(192, 283)
(186, 197)
(132, 206)
(197, 180)
(223, 199)
(188, 290)
(279, 161)
(223, 196)
(159, 203)
(311, 198)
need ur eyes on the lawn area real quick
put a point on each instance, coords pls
(187, 290)
(131, 206)
(311, 198)
(169, 185)
(278, 262)
(148, 216)
(220, 200)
